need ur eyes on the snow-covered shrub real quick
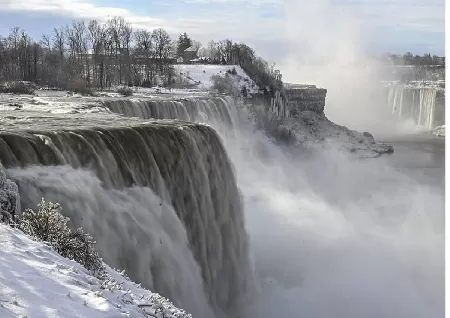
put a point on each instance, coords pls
(9, 198)
(224, 85)
(49, 225)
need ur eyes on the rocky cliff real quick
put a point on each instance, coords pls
(296, 116)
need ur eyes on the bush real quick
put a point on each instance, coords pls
(125, 91)
(224, 85)
(17, 88)
(244, 91)
(49, 225)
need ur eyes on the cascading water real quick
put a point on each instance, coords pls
(219, 111)
(335, 237)
(416, 104)
(324, 245)
(160, 199)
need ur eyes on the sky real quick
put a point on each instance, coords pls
(275, 28)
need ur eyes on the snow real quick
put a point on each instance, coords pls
(200, 75)
(54, 103)
(439, 131)
(37, 282)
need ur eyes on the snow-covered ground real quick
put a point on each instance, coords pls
(37, 282)
(200, 75)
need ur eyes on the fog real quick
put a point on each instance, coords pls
(335, 236)
(327, 48)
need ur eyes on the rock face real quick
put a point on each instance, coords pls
(305, 98)
(297, 116)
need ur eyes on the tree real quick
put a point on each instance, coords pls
(163, 50)
(184, 42)
(145, 50)
(96, 54)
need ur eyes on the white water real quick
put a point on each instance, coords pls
(337, 237)
(416, 105)
(330, 236)
(333, 236)
(160, 199)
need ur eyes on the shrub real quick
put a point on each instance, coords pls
(224, 85)
(125, 91)
(49, 225)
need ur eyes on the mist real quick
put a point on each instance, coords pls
(328, 47)
(334, 236)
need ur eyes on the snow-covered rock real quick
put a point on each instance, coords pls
(200, 75)
(37, 282)
(311, 129)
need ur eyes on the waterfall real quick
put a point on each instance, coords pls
(160, 199)
(416, 104)
(214, 109)
(427, 105)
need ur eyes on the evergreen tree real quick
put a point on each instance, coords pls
(184, 42)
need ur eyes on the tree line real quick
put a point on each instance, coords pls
(101, 55)
(417, 60)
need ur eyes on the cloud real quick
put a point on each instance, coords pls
(282, 23)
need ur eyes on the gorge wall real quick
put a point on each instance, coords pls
(160, 198)
(294, 99)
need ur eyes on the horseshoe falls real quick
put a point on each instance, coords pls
(424, 106)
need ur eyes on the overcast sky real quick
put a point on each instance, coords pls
(276, 28)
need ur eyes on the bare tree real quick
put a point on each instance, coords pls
(101, 55)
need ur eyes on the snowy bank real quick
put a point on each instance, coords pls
(35, 281)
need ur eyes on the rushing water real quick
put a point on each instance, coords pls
(160, 199)
(340, 237)
(416, 104)
(330, 235)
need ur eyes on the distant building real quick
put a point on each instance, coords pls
(189, 54)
